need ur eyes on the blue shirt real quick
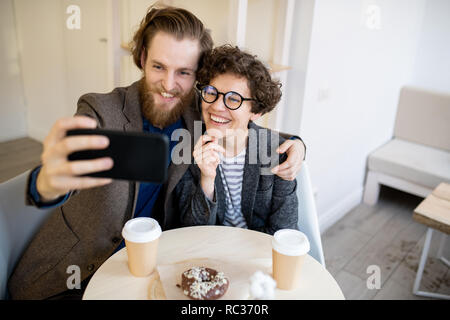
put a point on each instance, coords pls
(148, 192)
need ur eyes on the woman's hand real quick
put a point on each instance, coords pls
(206, 155)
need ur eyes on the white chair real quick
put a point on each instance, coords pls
(18, 224)
(307, 214)
(417, 157)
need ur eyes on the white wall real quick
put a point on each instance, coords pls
(294, 91)
(60, 64)
(261, 28)
(40, 34)
(12, 100)
(88, 52)
(432, 66)
(352, 83)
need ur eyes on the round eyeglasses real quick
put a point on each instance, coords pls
(231, 99)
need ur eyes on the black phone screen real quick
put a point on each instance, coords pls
(137, 156)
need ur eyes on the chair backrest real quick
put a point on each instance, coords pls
(307, 214)
(18, 224)
(423, 117)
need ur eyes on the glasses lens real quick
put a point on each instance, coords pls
(209, 93)
(233, 100)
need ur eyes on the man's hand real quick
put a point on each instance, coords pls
(295, 151)
(58, 176)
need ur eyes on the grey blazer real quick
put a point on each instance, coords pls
(268, 202)
(86, 229)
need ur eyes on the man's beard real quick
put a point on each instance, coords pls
(162, 118)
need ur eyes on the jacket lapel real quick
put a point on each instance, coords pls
(133, 114)
(132, 109)
(250, 178)
(176, 171)
(221, 198)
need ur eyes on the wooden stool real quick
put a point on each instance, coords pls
(434, 212)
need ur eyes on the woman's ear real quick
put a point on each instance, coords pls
(255, 116)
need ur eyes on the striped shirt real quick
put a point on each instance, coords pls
(232, 172)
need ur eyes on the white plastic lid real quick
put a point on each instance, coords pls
(141, 230)
(290, 242)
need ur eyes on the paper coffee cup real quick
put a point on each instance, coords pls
(141, 239)
(289, 248)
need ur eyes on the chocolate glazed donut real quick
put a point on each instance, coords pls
(201, 283)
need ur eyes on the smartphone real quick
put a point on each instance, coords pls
(137, 156)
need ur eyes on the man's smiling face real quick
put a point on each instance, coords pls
(169, 76)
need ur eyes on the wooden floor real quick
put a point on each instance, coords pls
(17, 156)
(383, 235)
(386, 236)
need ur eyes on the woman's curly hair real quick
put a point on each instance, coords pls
(229, 59)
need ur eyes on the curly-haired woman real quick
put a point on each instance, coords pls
(230, 182)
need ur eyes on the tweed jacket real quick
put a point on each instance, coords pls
(86, 229)
(268, 203)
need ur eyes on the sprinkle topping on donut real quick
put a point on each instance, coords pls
(201, 283)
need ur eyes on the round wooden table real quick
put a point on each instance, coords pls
(114, 281)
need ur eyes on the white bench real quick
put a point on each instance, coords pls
(417, 158)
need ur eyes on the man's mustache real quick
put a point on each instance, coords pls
(176, 93)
